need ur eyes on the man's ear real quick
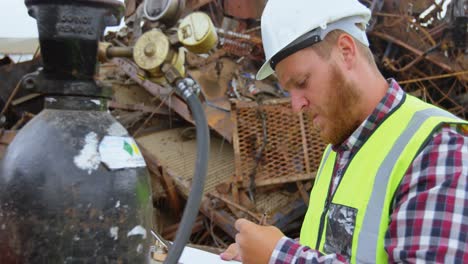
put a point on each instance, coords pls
(347, 50)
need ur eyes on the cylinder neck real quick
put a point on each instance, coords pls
(69, 31)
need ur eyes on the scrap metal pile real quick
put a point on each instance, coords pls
(423, 44)
(263, 157)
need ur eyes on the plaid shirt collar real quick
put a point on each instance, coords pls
(391, 99)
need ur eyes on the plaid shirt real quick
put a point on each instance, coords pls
(429, 218)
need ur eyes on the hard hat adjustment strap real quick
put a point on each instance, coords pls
(292, 48)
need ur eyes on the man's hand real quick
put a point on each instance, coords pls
(254, 243)
(231, 253)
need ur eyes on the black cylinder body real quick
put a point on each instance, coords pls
(60, 204)
(62, 199)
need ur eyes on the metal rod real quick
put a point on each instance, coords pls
(10, 98)
(412, 49)
(441, 76)
(113, 52)
(235, 205)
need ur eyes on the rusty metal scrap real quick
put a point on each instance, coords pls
(218, 120)
(224, 200)
(274, 144)
(195, 4)
(423, 44)
(6, 136)
(244, 9)
(10, 91)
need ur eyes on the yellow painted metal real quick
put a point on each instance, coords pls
(151, 50)
(197, 33)
(178, 60)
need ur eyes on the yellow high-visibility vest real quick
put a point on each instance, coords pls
(354, 220)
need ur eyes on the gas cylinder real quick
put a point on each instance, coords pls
(73, 185)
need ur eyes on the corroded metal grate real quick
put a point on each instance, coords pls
(177, 154)
(291, 150)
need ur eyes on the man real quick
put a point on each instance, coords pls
(392, 185)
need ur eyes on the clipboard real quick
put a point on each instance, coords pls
(192, 255)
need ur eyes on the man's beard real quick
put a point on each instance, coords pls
(340, 110)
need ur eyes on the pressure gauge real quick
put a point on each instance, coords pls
(166, 11)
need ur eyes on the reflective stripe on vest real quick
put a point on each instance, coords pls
(372, 178)
(367, 247)
(324, 160)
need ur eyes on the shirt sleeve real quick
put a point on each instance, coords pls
(289, 251)
(429, 221)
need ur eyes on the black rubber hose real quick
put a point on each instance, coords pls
(196, 193)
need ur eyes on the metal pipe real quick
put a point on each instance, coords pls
(113, 52)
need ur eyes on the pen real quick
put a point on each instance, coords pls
(263, 220)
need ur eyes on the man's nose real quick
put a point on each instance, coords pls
(298, 102)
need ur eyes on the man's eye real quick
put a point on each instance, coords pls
(302, 84)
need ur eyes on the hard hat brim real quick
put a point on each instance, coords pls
(264, 71)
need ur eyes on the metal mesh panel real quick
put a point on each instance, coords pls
(291, 151)
(179, 156)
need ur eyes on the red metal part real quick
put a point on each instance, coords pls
(244, 9)
(195, 4)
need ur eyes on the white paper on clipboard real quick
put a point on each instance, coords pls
(192, 255)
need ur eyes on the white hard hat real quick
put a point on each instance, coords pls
(291, 25)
